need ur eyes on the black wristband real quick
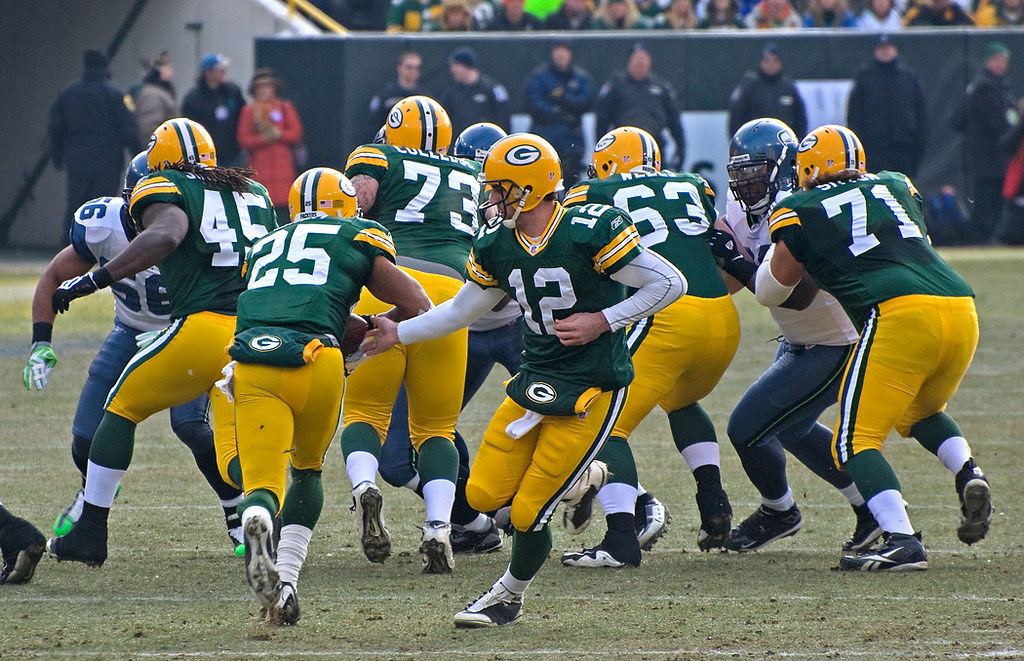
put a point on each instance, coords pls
(368, 318)
(42, 332)
(741, 269)
(101, 277)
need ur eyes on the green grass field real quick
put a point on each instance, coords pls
(172, 589)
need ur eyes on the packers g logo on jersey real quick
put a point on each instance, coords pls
(541, 392)
(523, 155)
(395, 118)
(265, 343)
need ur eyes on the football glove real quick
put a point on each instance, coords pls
(78, 287)
(728, 257)
(41, 362)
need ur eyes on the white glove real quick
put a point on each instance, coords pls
(227, 384)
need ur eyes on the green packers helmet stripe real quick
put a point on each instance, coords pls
(850, 145)
(187, 140)
(307, 196)
(428, 125)
(649, 148)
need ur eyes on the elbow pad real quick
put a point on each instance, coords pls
(768, 291)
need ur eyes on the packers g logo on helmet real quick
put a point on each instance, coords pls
(826, 150)
(323, 191)
(524, 168)
(180, 140)
(523, 155)
(419, 122)
(622, 150)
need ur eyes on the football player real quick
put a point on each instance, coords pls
(780, 410)
(302, 279)
(568, 268)
(100, 231)
(679, 355)
(428, 201)
(21, 547)
(496, 337)
(196, 220)
(862, 237)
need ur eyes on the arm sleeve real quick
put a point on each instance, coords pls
(468, 305)
(657, 284)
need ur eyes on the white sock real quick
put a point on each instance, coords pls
(953, 453)
(257, 511)
(413, 484)
(853, 495)
(361, 466)
(780, 504)
(511, 583)
(439, 496)
(232, 502)
(291, 552)
(616, 498)
(101, 485)
(700, 454)
(891, 512)
(482, 523)
(640, 489)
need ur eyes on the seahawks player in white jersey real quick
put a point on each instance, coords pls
(100, 231)
(780, 410)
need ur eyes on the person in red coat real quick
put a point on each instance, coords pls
(269, 130)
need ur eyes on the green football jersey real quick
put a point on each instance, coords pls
(865, 242)
(564, 272)
(204, 273)
(307, 275)
(673, 214)
(427, 201)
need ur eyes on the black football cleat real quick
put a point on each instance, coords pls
(22, 545)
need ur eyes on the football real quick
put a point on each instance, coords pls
(355, 331)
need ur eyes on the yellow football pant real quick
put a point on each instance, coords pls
(183, 363)
(535, 470)
(286, 415)
(686, 350)
(909, 361)
(434, 374)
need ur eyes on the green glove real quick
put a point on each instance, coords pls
(40, 362)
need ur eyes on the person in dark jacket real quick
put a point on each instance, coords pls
(90, 128)
(407, 83)
(989, 113)
(571, 15)
(637, 97)
(558, 94)
(474, 97)
(511, 16)
(768, 92)
(886, 110)
(216, 104)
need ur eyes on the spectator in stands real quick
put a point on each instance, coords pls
(455, 17)
(638, 97)
(652, 9)
(721, 15)
(558, 94)
(89, 129)
(680, 15)
(1000, 13)
(407, 83)
(269, 129)
(771, 14)
(618, 15)
(156, 101)
(572, 15)
(887, 111)
(880, 16)
(513, 17)
(828, 14)
(767, 92)
(410, 15)
(986, 116)
(1010, 230)
(937, 13)
(474, 96)
(217, 104)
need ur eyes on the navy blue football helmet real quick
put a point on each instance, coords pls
(762, 162)
(137, 169)
(476, 140)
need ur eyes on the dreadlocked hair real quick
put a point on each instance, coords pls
(236, 179)
(849, 174)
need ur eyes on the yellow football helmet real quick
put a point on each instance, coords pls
(621, 150)
(524, 167)
(323, 190)
(827, 149)
(180, 140)
(419, 122)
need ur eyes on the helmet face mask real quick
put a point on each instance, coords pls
(624, 149)
(419, 122)
(762, 161)
(523, 169)
(137, 169)
(322, 192)
(180, 140)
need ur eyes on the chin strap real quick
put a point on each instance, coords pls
(510, 223)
